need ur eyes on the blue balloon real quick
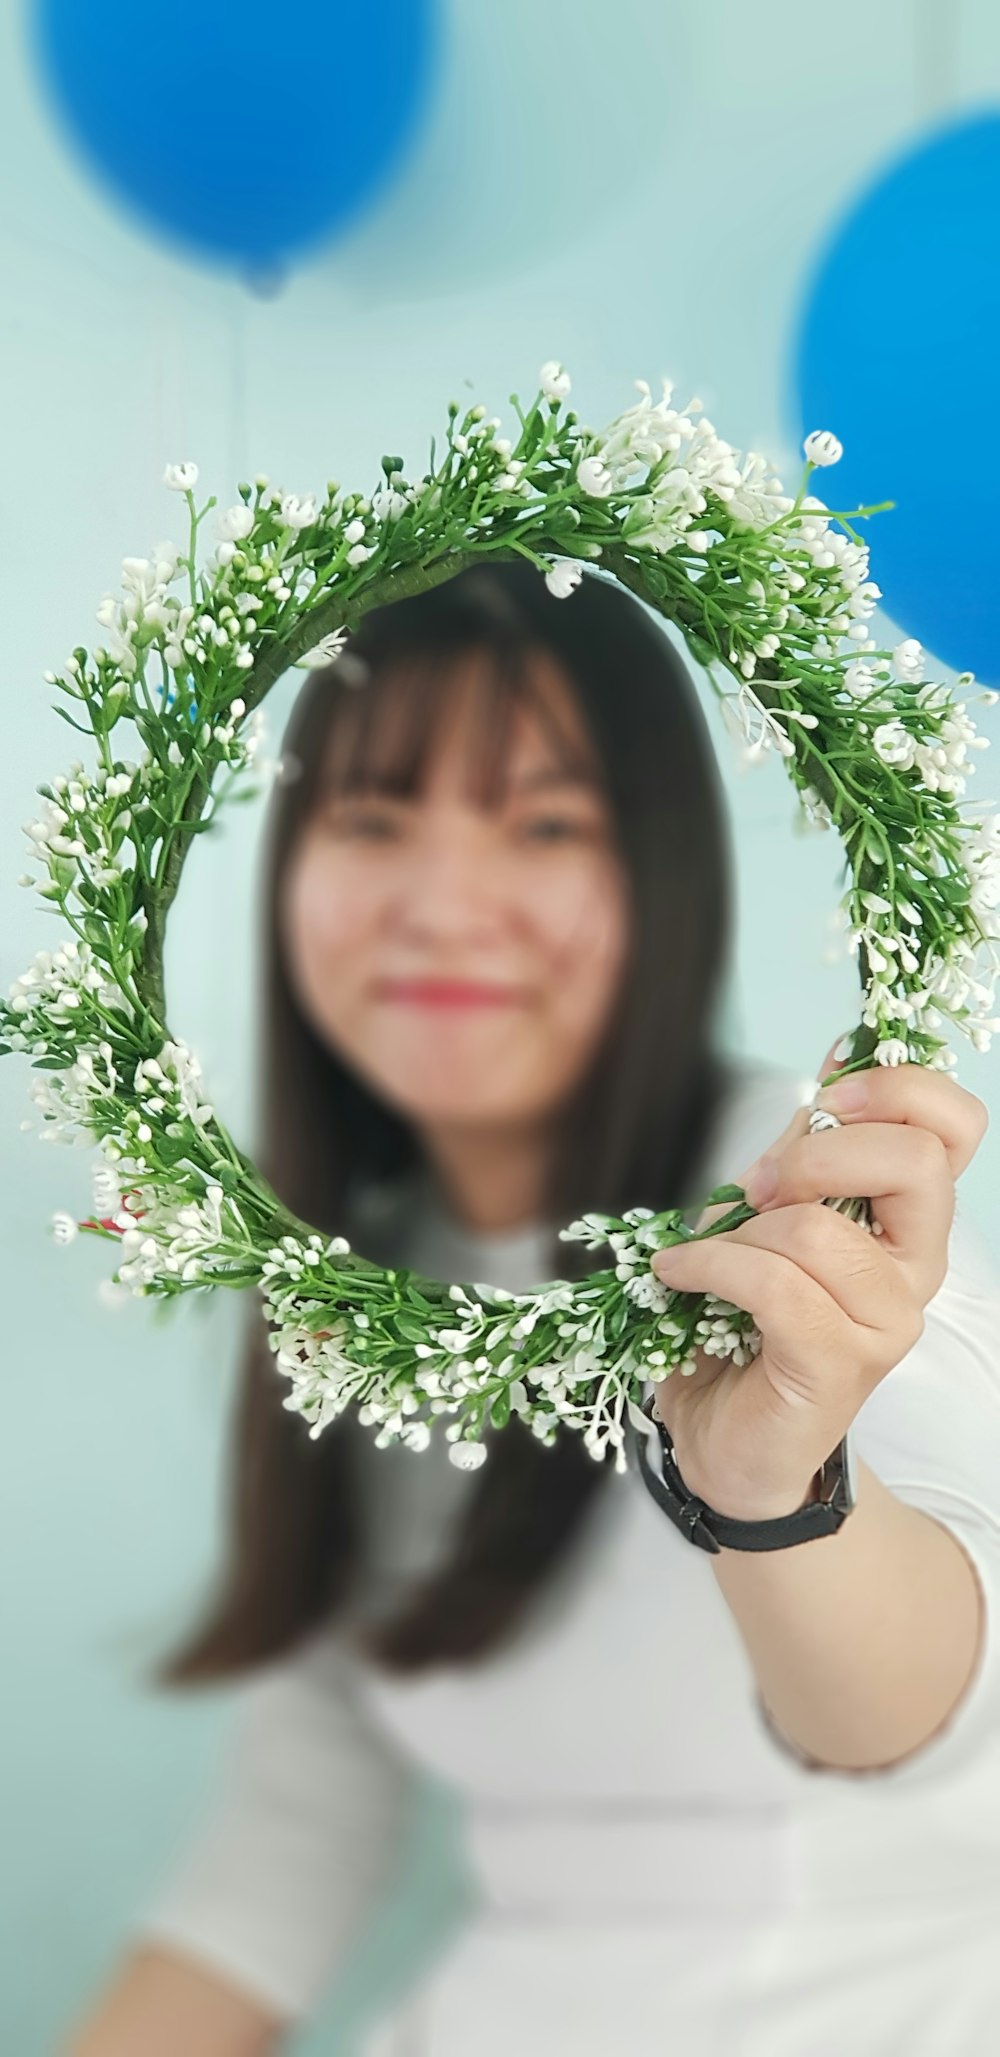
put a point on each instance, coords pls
(897, 352)
(248, 133)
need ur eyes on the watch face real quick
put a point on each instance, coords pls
(846, 1492)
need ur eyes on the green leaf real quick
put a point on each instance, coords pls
(171, 1149)
(701, 651)
(409, 1326)
(500, 1410)
(77, 725)
(534, 430)
(427, 1305)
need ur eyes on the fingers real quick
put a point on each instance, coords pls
(917, 1097)
(904, 1173)
(902, 1147)
(800, 1319)
(843, 1259)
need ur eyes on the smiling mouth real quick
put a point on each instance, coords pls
(447, 993)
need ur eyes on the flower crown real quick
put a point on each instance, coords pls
(773, 598)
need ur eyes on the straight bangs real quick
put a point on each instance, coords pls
(383, 735)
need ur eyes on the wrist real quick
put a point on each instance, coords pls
(747, 1502)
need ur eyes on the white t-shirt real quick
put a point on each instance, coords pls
(620, 1783)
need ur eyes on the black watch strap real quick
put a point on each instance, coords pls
(701, 1525)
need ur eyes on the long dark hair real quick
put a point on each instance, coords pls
(636, 1132)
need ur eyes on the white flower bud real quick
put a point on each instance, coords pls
(236, 523)
(893, 1051)
(467, 1456)
(554, 380)
(908, 660)
(296, 513)
(387, 504)
(181, 478)
(823, 447)
(563, 574)
(593, 477)
(894, 744)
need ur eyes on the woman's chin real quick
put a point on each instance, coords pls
(470, 1095)
(449, 1064)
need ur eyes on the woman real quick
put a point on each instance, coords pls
(498, 915)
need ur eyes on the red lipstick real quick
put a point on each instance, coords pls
(427, 992)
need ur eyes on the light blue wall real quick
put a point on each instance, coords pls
(635, 189)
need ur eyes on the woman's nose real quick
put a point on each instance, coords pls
(451, 880)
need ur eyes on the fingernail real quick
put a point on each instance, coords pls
(845, 1097)
(761, 1182)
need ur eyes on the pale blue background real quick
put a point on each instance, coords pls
(635, 189)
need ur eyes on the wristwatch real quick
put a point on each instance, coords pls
(701, 1525)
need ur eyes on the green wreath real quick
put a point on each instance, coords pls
(765, 589)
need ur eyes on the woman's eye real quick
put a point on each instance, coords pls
(554, 827)
(358, 824)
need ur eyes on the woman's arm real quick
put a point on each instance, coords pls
(863, 1643)
(877, 1649)
(161, 2004)
(267, 1902)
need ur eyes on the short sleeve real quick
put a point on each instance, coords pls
(304, 1838)
(931, 1432)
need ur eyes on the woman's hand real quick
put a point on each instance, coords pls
(836, 1305)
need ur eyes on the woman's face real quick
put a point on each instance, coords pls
(463, 959)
